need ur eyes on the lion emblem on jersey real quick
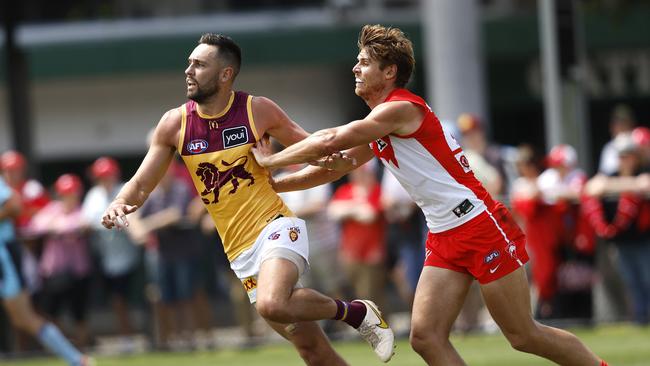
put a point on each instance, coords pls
(214, 179)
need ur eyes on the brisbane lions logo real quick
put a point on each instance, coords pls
(213, 179)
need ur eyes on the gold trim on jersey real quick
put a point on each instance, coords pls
(224, 111)
(251, 121)
(181, 138)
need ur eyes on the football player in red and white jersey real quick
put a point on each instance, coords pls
(471, 236)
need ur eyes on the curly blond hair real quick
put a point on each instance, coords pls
(389, 46)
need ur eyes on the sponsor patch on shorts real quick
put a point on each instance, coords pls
(250, 283)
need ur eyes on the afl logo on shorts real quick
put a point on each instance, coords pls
(492, 256)
(274, 236)
(293, 233)
(197, 146)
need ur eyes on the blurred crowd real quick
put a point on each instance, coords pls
(367, 239)
(583, 233)
(68, 258)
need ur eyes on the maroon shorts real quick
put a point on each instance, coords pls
(487, 247)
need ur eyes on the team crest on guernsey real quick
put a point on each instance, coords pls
(293, 233)
(214, 179)
(383, 149)
(381, 145)
(197, 146)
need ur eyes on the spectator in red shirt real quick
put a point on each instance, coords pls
(357, 206)
(32, 194)
(622, 221)
(540, 221)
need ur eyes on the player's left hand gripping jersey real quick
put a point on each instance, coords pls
(234, 188)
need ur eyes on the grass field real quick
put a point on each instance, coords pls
(620, 345)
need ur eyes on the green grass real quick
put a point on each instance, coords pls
(620, 345)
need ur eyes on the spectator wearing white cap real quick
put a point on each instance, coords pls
(563, 180)
(561, 185)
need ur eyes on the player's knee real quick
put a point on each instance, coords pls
(423, 340)
(524, 336)
(523, 342)
(273, 310)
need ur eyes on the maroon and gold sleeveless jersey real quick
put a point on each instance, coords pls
(233, 187)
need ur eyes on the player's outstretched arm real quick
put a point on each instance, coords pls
(339, 161)
(153, 168)
(272, 121)
(381, 121)
(312, 176)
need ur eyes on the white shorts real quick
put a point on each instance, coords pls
(285, 237)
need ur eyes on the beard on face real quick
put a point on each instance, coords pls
(367, 89)
(201, 94)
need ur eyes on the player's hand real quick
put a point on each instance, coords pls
(338, 161)
(115, 215)
(262, 150)
(273, 181)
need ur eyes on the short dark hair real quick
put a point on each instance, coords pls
(229, 51)
(389, 46)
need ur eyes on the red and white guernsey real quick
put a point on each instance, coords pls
(431, 166)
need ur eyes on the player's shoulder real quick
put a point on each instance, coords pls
(169, 125)
(174, 113)
(399, 104)
(267, 113)
(397, 110)
(263, 104)
(172, 117)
